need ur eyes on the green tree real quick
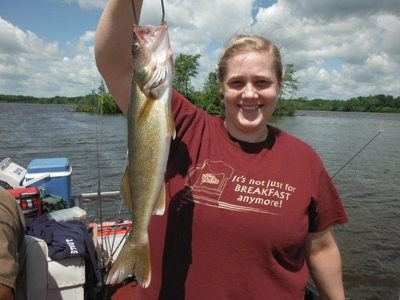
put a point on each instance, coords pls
(102, 88)
(109, 105)
(290, 86)
(105, 102)
(185, 69)
(211, 100)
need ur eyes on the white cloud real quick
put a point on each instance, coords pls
(194, 24)
(203, 19)
(376, 67)
(31, 66)
(16, 42)
(84, 43)
(89, 4)
(329, 10)
(340, 48)
(377, 75)
(390, 24)
(359, 34)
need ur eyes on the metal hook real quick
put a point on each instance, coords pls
(134, 12)
(163, 11)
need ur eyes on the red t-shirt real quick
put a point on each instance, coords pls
(237, 213)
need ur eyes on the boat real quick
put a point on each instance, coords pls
(69, 278)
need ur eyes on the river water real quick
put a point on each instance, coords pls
(369, 185)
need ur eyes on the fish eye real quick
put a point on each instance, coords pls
(135, 47)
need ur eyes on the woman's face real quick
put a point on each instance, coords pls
(250, 91)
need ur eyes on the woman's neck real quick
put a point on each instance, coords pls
(250, 137)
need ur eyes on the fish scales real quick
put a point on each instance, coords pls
(150, 128)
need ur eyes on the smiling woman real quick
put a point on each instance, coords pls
(212, 231)
(250, 90)
(250, 73)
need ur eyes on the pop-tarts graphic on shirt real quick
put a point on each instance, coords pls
(206, 182)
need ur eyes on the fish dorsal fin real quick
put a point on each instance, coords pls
(159, 205)
(170, 123)
(159, 74)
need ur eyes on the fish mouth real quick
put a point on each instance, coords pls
(154, 37)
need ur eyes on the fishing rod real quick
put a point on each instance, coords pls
(99, 199)
(117, 220)
(356, 154)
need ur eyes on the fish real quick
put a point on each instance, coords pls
(150, 130)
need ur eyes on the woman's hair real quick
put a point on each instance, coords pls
(248, 43)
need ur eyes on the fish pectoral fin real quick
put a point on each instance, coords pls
(125, 190)
(158, 76)
(159, 205)
(170, 123)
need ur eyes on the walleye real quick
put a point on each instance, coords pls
(150, 128)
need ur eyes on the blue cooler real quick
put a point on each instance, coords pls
(53, 175)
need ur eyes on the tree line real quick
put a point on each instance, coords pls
(93, 102)
(377, 103)
(42, 100)
(208, 97)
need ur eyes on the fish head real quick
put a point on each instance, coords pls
(153, 57)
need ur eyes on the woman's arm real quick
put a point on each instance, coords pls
(112, 48)
(325, 264)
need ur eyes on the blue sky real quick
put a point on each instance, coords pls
(340, 49)
(52, 20)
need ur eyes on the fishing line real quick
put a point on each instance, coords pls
(126, 161)
(118, 215)
(99, 199)
(356, 154)
(128, 230)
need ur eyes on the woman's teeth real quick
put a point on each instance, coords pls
(249, 107)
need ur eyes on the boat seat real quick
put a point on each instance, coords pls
(36, 279)
(48, 279)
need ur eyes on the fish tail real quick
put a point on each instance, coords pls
(133, 259)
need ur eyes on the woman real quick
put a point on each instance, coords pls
(249, 207)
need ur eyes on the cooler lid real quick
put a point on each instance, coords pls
(48, 165)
